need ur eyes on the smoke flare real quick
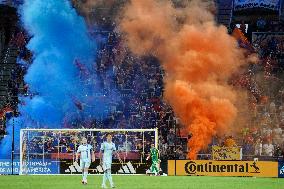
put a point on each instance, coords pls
(64, 56)
(198, 57)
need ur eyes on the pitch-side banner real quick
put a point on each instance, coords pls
(129, 167)
(248, 4)
(226, 153)
(32, 167)
(223, 168)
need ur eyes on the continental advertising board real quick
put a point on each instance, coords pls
(223, 168)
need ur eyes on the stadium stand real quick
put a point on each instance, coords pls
(141, 104)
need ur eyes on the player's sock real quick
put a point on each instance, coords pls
(85, 176)
(110, 178)
(156, 171)
(104, 179)
(152, 169)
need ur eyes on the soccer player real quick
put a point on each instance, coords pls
(86, 155)
(154, 154)
(108, 148)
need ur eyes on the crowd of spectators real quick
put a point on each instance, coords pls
(14, 64)
(263, 135)
(38, 144)
(139, 82)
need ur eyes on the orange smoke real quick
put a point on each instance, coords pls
(198, 57)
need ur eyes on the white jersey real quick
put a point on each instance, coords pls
(107, 148)
(268, 149)
(85, 151)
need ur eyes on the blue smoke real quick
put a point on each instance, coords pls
(62, 77)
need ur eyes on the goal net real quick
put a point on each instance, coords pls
(52, 151)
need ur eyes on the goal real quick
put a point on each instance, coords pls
(52, 151)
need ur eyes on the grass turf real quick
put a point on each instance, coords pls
(139, 182)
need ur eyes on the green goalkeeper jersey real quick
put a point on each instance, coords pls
(154, 154)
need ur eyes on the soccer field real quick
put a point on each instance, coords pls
(137, 182)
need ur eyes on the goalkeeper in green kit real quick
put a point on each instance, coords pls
(154, 154)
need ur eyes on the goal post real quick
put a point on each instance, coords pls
(52, 151)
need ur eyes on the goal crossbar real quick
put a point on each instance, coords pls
(22, 131)
(102, 130)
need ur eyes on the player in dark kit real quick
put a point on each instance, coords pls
(154, 154)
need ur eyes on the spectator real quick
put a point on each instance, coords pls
(277, 135)
(230, 142)
(171, 138)
(2, 40)
(163, 148)
(261, 23)
(277, 151)
(180, 153)
(268, 149)
(243, 27)
(127, 146)
(247, 148)
(266, 132)
(258, 147)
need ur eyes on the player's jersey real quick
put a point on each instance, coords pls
(107, 148)
(85, 151)
(154, 154)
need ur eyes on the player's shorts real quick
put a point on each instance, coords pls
(85, 164)
(106, 165)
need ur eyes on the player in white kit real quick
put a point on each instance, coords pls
(108, 148)
(86, 156)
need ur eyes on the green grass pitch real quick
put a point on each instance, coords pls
(139, 182)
